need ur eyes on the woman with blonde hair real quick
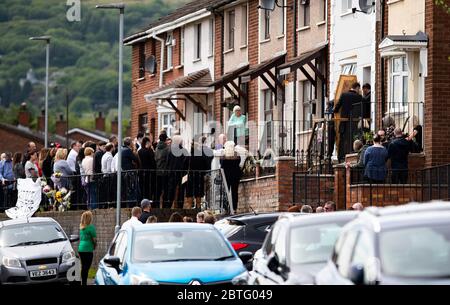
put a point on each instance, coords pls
(61, 166)
(88, 168)
(88, 241)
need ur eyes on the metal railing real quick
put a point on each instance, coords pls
(203, 189)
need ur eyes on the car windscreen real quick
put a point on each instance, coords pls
(179, 245)
(416, 251)
(28, 234)
(313, 243)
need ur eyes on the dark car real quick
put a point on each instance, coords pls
(401, 245)
(34, 250)
(246, 232)
(296, 249)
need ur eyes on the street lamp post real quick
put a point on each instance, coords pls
(121, 8)
(47, 59)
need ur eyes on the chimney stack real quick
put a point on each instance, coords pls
(24, 115)
(100, 122)
(115, 126)
(61, 126)
(41, 121)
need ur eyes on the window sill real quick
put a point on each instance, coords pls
(243, 47)
(179, 67)
(347, 13)
(152, 75)
(304, 132)
(265, 41)
(168, 70)
(197, 60)
(280, 36)
(304, 28)
(228, 51)
(141, 79)
(210, 55)
(393, 1)
(320, 23)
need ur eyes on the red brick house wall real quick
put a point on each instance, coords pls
(437, 86)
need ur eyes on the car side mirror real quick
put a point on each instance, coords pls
(276, 267)
(73, 238)
(113, 262)
(356, 274)
(246, 257)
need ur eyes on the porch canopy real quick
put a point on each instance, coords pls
(183, 88)
(306, 59)
(260, 70)
(394, 45)
(229, 79)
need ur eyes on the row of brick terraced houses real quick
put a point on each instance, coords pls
(282, 67)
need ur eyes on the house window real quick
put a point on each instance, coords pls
(143, 123)
(348, 69)
(282, 17)
(141, 60)
(169, 51)
(182, 46)
(268, 115)
(398, 83)
(308, 95)
(231, 28)
(198, 41)
(346, 6)
(323, 9)
(244, 25)
(211, 37)
(266, 23)
(167, 122)
(303, 16)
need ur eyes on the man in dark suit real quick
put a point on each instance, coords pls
(348, 101)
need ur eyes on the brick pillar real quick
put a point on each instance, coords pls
(340, 186)
(24, 115)
(41, 121)
(61, 126)
(100, 122)
(114, 126)
(285, 167)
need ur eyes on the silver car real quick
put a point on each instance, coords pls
(34, 250)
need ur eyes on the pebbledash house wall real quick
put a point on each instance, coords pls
(104, 222)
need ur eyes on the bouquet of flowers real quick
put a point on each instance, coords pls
(58, 198)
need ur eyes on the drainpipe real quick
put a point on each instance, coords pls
(382, 64)
(161, 70)
(294, 97)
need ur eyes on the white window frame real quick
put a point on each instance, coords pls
(266, 24)
(231, 29)
(348, 69)
(346, 6)
(211, 37)
(198, 42)
(401, 105)
(307, 102)
(169, 51)
(268, 125)
(323, 9)
(162, 125)
(182, 46)
(244, 25)
(283, 18)
(302, 4)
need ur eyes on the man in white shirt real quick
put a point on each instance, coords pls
(136, 212)
(72, 157)
(107, 159)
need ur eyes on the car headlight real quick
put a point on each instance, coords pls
(10, 262)
(141, 280)
(241, 279)
(67, 256)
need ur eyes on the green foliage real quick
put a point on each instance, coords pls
(83, 55)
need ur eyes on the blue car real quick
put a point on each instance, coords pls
(172, 254)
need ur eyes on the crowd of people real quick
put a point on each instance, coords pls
(328, 206)
(165, 172)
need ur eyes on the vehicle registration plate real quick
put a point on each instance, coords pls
(41, 273)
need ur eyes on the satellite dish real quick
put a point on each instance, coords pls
(366, 6)
(150, 64)
(267, 4)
